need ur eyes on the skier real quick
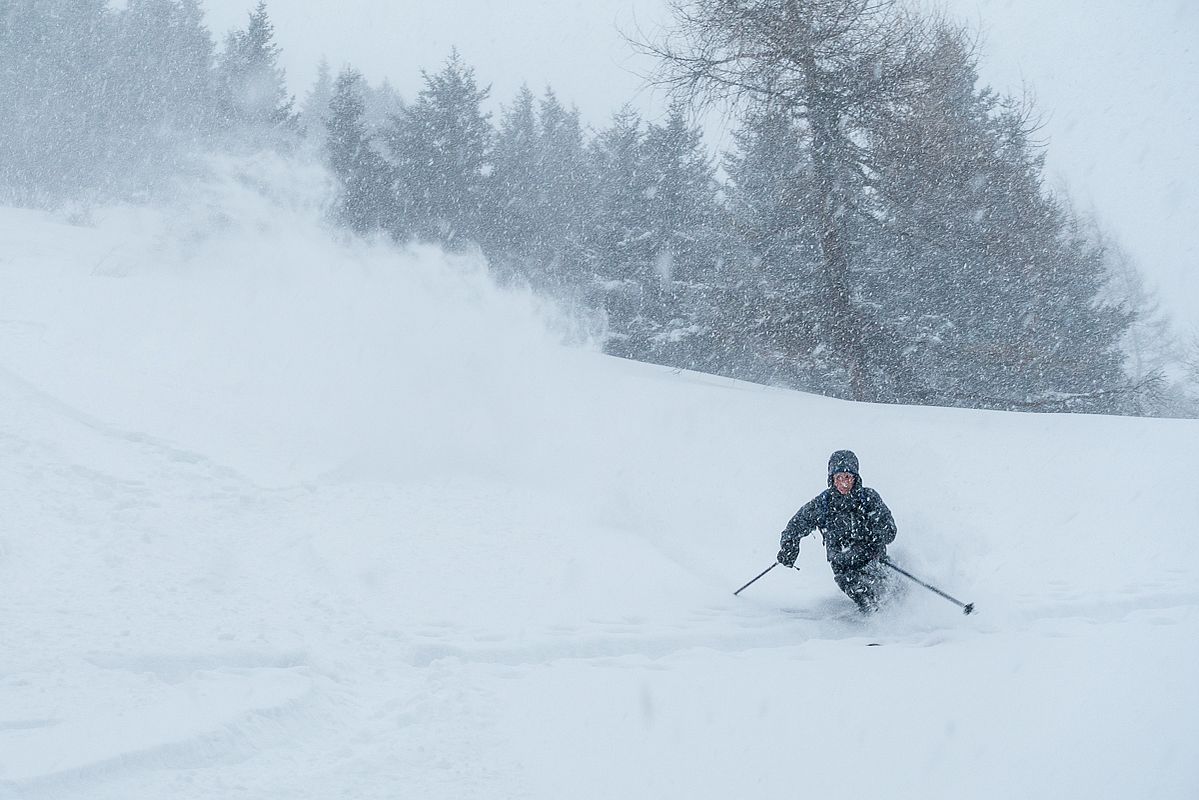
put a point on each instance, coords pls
(856, 527)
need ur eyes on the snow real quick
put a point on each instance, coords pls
(288, 515)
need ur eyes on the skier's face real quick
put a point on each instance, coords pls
(843, 482)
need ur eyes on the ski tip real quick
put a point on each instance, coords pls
(968, 609)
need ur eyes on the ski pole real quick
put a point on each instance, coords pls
(760, 574)
(966, 607)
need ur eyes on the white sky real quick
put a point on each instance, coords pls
(1117, 81)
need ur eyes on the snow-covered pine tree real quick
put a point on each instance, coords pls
(687, 235)
(314, 113)
(565, 198)
(782, 288)
(984, 276)
(366, 197)
(440, 146)
(619, 254)
(381, 103)
(55, 83)
(164, 93)
(512, 224)
(253, 92)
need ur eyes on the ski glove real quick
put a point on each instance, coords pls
(787, 558)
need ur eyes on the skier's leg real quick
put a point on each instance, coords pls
(890, 589)
(861, 587)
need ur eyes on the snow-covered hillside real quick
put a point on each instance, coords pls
(285, 516)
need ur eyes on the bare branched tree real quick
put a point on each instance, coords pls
(837, 67)
(1190, 363)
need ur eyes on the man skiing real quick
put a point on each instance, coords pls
(856, 526)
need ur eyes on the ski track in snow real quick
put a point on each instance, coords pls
(188, 613)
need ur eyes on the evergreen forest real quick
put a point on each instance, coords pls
(881, 229)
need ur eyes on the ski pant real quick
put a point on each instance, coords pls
(867, 586)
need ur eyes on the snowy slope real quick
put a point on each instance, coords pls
(287, 516)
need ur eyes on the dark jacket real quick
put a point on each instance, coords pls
(856, 527)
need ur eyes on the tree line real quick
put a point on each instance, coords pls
(100, 102)
(881, 229)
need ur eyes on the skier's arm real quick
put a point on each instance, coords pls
(882, 524)
(804, 522)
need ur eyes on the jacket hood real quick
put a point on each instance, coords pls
(844, 461)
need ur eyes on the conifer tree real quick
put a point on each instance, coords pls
(441, 145)
(314, 115)
(989, 281)
(366, 197)
(253, 88)
(163, 93)
(619, 253)
(381, 103)
(513, 225)
(566, 195)
(57, 125)
(539, 194)
(684, 221)
(770, 194)
(682, 196)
